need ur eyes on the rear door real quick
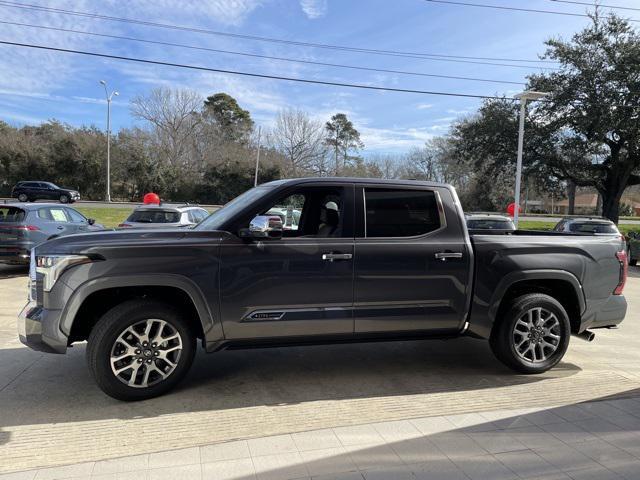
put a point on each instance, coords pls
(55, 221)
(412, 261)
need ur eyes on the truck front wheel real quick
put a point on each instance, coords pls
(140, 349)
(533, 335)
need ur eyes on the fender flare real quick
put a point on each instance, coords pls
(212, 329)
(545, 274)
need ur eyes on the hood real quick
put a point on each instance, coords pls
(88, 243)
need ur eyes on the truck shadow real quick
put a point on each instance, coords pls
(12, 271)
(45, 389)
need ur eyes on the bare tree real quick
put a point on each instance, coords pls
(301, 140)
(175, 117)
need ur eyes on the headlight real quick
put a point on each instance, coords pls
(52, 266)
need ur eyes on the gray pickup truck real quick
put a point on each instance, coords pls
(368, 260)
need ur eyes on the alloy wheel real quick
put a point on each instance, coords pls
(146, 353)
(536, 335)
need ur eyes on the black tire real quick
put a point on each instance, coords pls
(64, 198)
(103, 338)
(23, 197)
(633, 262)
(502, 339)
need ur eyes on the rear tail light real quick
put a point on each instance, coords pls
(124, 225)
(25, 228)
(624, 270)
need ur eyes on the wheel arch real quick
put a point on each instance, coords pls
(559, 284)
(93, 298)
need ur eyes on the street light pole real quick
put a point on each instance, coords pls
(255, 179)
(109, 96)
(523, 97)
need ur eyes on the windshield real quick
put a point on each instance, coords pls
(154, 216)
(11, 214)
(490, 224)
(220, 216)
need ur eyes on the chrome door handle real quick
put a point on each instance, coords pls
(445, 255)
(332, 257)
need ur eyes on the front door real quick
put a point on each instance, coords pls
(402, 281)
(297, 286)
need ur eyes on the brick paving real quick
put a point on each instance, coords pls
(593, 440)
(305, 412)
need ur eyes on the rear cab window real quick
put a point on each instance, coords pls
(397, 212)
(11, 214)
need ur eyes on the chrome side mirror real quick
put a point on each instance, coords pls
(266, 226)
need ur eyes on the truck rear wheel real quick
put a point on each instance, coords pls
(533, 335)
(140, 349)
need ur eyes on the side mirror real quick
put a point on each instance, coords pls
(91, 221)
(264, 227)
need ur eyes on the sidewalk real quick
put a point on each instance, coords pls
(594, 440)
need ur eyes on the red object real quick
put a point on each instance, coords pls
(511, 209)
(151, 198)
(123, 225)
(624, 271)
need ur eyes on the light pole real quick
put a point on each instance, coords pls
(109, 97)
(255, 178)
(523, 97)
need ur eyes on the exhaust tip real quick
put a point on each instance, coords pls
(587, 336)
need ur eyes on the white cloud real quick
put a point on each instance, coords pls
(314, 8)
(424, 106)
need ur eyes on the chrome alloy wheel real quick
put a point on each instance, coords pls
(146, 353)
(537, 335)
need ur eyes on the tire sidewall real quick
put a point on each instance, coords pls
(520, 307)
(64, 198)
(117, 320)
(23, 198)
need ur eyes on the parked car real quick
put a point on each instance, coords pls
(634, 248)
(24, 225)
(290, 217)
(164, 216)
(588, 225)
(32, 191)
(393, 261)
(489, 221)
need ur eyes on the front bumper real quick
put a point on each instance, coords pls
(39, 329)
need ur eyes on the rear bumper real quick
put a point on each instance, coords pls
(608, 314)
(17, 254)
(39, 329)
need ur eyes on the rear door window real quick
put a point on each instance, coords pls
(53, 214)
(400, 212)
(11, 214)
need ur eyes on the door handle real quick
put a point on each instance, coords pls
(60, 227)
(332, 257)
(445, 255)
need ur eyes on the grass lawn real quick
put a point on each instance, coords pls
(109, 217)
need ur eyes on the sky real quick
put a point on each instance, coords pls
(38, 85)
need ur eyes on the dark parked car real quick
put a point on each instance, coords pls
(489, 221)
(32, 191)
(369, 260)
(23, 226)
(165, 216)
